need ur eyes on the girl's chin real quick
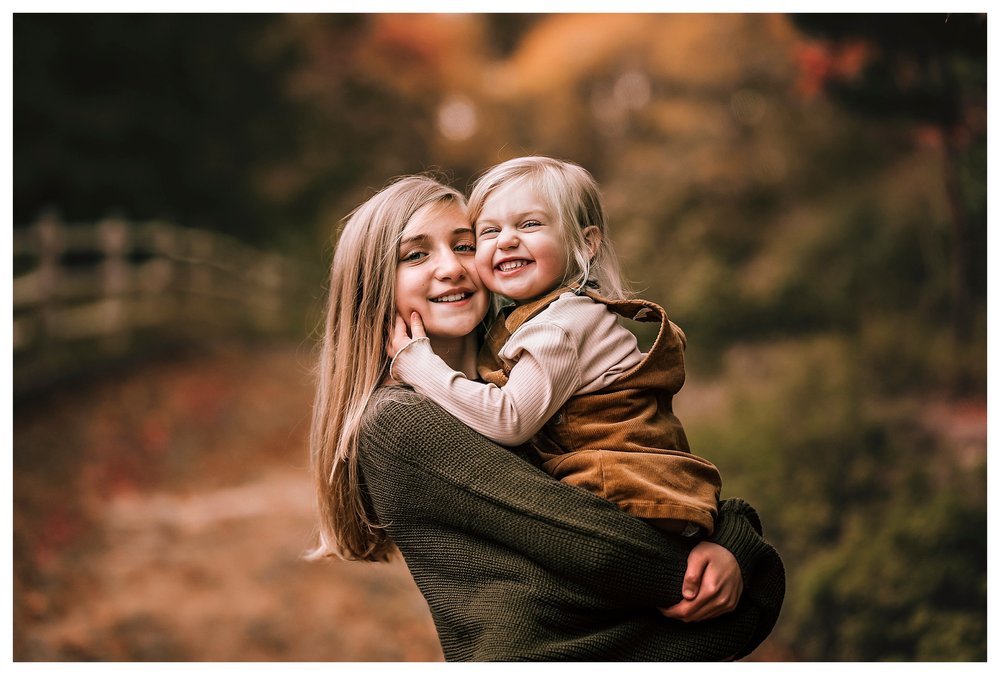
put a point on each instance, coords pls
(451, 330)
(468, 313)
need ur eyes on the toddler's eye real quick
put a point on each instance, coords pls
(488, 231)
(531, 223)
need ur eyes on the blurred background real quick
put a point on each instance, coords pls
(806, 195)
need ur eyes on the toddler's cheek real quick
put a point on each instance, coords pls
(484, 266)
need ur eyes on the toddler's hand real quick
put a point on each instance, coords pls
(713, 584)
(416, 326)
(401, 337)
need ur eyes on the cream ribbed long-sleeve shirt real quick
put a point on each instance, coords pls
(574, 346)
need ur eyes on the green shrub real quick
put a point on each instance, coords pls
(883, 533)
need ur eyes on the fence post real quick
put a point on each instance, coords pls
(113, 236)
(50, 248)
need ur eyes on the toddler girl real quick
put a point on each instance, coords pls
(558, 368)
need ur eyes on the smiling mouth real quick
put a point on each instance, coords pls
(453, 297)
(512, 265)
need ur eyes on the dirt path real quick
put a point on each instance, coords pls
(160, 514)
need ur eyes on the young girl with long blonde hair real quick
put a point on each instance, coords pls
(352, 363)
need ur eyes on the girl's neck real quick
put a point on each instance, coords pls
(459, 353)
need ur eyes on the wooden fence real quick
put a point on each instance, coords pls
(112, 283)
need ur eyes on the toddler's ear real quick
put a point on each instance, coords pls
(592, 235)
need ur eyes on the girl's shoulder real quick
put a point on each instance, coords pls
(389, 403)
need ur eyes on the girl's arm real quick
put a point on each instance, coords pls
(543, 379)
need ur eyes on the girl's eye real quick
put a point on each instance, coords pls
(465, 248)
(412, 256)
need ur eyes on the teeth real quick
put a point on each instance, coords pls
(450, 298)
(512, 265)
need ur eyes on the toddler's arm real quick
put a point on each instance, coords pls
(543, 379)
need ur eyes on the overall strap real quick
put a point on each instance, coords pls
(489, 366)
(524, 313)
(646, 311)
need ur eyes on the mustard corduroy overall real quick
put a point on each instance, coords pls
(623, 442)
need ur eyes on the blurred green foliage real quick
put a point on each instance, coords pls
(805, 195)
(882, 530)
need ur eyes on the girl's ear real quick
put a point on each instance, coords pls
(592, 235)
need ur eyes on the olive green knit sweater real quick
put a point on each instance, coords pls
(518, 566)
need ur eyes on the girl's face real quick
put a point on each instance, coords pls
(520, 251)
(436, 273)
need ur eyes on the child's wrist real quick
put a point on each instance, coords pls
(393, 365)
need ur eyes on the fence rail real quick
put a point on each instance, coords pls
(107, 282)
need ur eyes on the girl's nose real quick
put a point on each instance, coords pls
(450, 267)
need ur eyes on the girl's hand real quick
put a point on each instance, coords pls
(400, 337)
(713, 584)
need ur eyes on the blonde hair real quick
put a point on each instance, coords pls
(353, 363)
(572, 193)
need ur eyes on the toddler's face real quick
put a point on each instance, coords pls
(520, 251)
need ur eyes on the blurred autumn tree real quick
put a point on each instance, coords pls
(928, 73)
(921, 81)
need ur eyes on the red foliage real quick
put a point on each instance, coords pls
(820, 63)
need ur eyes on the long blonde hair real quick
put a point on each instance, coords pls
(352, 364)
(570, 191)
